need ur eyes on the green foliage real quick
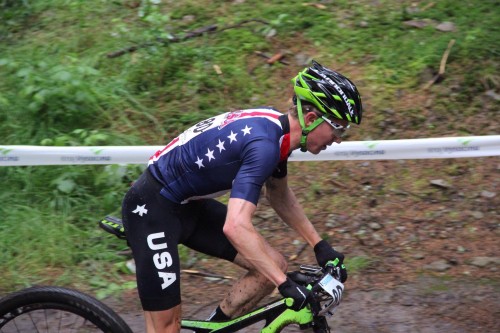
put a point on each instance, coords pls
(45, 98)
(78, 137)
(107, 288)
(34, 239)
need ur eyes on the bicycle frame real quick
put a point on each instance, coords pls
(276, 314)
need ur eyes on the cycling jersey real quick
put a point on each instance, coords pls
(234, 151)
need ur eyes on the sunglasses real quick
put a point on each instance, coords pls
(338, 130)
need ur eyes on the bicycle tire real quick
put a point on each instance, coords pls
(37, 305)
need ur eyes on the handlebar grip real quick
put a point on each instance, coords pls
(289, 302)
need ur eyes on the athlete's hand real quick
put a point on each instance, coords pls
(326, 254)
(298, 293)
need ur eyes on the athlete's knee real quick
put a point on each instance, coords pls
(276, 256)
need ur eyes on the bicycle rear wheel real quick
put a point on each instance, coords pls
(57, 309)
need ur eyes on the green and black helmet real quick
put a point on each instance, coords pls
(330, 92)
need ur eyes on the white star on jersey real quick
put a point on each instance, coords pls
(232, 137)
(221, 146)
(199, 162)
(246, 130)
(141, 210)
(210, 155)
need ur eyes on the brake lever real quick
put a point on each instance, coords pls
(333, 271)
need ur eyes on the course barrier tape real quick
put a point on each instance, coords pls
(450, 147)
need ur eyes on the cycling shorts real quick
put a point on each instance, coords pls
(155, 226)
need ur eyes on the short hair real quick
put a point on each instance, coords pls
(306, 107)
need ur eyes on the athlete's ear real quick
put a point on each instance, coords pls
(310, 117)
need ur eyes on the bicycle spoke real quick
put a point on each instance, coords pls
(60, 323)
(46, 322)
(49, 321)
(48, 309)
(33, 322)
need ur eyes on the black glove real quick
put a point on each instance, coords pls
(298, 293)
(325, 254)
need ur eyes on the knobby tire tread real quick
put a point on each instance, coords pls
(70, 300)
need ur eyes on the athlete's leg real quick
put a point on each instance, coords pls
(153, 231)
(251, 287)
(207, 237)
(166, 321)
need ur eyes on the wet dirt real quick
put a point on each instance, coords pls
(427, 305)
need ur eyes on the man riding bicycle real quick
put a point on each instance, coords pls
(171, 203)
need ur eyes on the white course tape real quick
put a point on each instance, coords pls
(471, 146)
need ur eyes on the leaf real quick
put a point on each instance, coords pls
(28, 90)
(47, 142)
(66, 185)
(24, 72)
(64, 76)
(39, 97)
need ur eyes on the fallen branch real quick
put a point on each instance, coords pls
(407, 193)
(299, 252)
(444, 59)
(237, 25)
(278, 57)
(207, 274)
(190, 34)
(442, 66)
(429, 5)
(272, 59)
(338, 184)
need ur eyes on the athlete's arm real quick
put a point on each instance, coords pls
(286, 205)
(248, 242)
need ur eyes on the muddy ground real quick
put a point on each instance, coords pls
(422, 252)
(428, 305)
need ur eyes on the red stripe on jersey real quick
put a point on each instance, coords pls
(285, 147)
(243, 114)
(161, 152)
(271, 114)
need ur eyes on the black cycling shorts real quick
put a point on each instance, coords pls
(155, 226)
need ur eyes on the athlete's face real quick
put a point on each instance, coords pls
(324, 135)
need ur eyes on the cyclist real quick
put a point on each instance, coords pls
(172, 202)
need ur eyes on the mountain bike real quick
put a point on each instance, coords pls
(56, 309)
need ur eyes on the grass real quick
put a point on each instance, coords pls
(358, 264)
(59, 88)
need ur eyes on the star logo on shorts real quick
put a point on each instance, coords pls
(141, 210)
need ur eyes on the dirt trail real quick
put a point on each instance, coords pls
(428, 305)
(422, 258)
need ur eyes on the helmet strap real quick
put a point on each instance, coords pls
(305, 129)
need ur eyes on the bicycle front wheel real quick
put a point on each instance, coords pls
(57, 309)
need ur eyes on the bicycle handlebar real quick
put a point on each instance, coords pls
(324, 283)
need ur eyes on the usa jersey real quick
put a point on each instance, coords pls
(234, 151)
